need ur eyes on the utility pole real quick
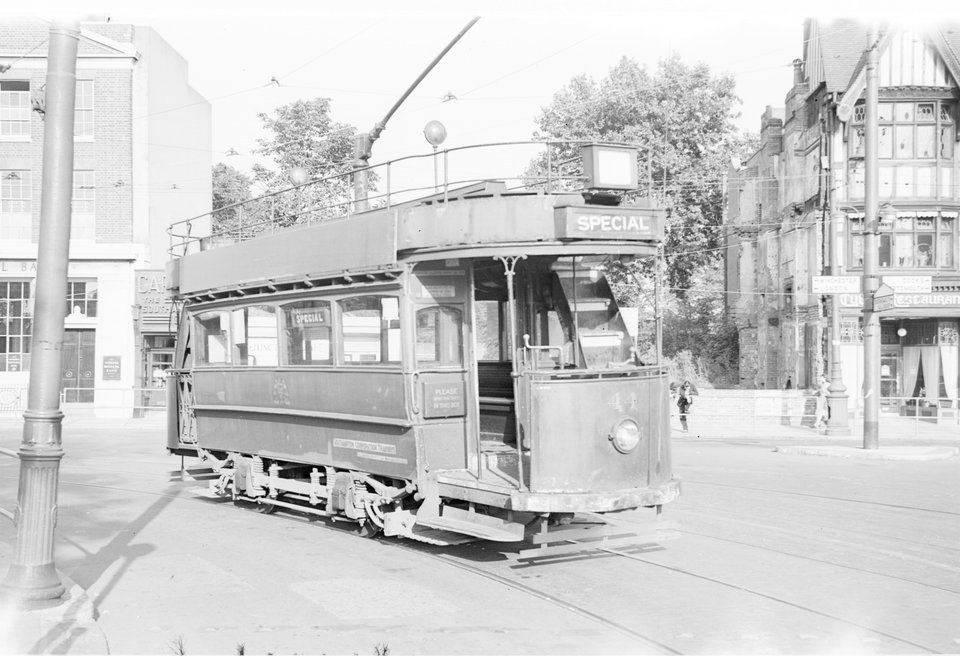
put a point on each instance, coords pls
(32, 579)
(871, 229)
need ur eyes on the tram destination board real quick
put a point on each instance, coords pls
(631, 223)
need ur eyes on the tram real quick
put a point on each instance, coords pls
(451, 364)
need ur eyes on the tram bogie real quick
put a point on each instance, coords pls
(466, 368)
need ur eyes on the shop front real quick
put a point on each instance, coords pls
(919, 356)
(155, 335)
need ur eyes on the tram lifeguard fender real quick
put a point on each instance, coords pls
(362, 241)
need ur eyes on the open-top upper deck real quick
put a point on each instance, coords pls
(548, 214)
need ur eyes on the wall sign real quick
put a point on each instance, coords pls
(111, 367)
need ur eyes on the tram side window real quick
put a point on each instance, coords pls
(213, 337)
(255, 336)
(370, 326)
(440, 336)
(308, 331)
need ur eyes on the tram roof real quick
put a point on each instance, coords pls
(477, 219)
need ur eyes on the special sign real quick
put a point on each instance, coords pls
(601, 222)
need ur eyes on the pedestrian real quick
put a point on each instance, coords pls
(789, 384)
(823, 410)
(674, 394)
(684, 401)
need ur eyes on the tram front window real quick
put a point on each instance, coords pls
(584, 307)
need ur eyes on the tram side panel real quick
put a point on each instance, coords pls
(346, 419)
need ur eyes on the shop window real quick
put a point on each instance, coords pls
(308, 329)
(16, 325)
(851, 331)
(440, 336)
(370, 326)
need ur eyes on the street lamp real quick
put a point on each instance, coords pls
(837, 401)
(298, 176)
(435, 134)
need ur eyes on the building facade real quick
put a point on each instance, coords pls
(807, 179)
(142, 160)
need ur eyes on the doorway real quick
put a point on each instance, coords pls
(890, 379)
(77, 369)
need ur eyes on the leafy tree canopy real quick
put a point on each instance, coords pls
(681, 117)
(303, 135)
(230, 187)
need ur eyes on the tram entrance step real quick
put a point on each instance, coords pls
(485, 527)
(499, 462)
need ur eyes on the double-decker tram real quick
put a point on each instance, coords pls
(455, 363)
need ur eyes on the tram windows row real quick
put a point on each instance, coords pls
(360, 330)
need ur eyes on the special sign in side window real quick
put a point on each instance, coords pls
(308, 331)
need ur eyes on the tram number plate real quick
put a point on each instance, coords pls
(443, 399)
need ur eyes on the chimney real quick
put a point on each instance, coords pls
(797, 71)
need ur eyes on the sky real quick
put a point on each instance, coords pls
(248, 58)
(502, 72)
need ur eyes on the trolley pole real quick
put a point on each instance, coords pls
(839, 421)
(871, 320)
(32, 579)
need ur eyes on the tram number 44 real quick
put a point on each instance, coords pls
(623, 402)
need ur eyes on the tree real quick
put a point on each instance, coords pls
(230, 187)
(304, 135)
(681, 118)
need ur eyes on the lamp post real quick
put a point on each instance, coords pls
(32, 579)
(871, 320)
(435, 134)
(838, 422)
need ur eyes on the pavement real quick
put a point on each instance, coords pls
(73, 625)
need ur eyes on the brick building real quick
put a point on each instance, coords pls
(141, 161)
(808, 178)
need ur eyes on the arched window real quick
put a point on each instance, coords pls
(440, 336)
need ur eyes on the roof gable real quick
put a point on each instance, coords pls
(907, 58)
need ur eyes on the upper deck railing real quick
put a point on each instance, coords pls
(538, 167)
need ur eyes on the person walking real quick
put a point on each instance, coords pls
(684, 401)
(823, 411)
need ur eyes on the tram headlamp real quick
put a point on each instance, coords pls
(625, 436)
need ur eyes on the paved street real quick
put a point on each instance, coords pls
(778, 553)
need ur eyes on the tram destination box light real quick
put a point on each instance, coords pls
(609, 167)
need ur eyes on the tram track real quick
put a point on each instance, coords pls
(878, 504)
(775, 599)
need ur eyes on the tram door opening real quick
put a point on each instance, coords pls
(442, 379)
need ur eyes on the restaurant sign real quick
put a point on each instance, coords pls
(151, 296)
(936, 300)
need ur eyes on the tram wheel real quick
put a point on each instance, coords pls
(266, 508)
(368, 530)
